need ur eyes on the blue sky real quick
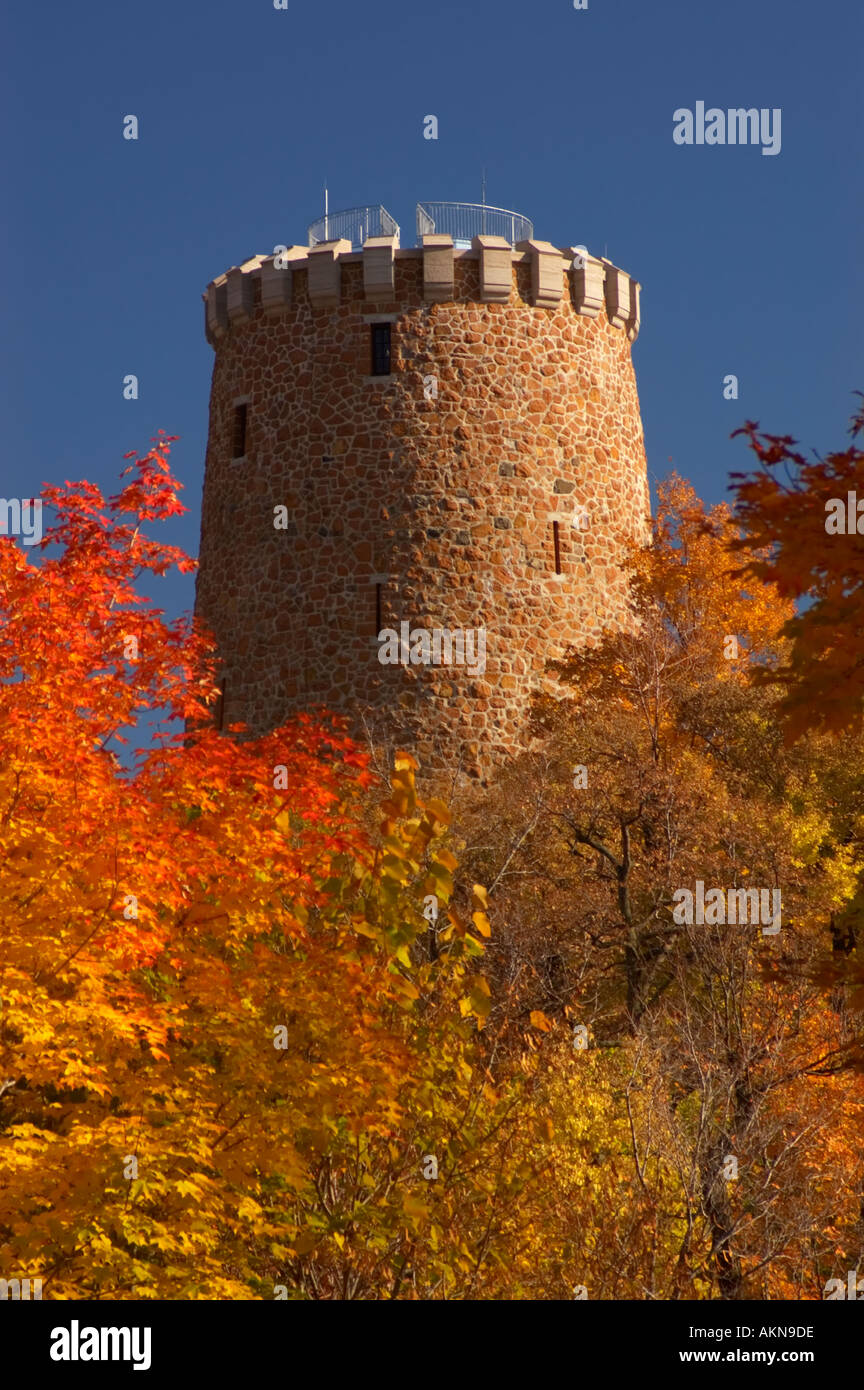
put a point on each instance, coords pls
(750, 264)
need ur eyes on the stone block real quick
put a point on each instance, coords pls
(240, 294)
(617, 289)
(496, 268)
(325, 275)
(216, 301)
(547, 272)
(634, 318)
(438, 272)
(277, 285)
(588, 294)
(378, 267)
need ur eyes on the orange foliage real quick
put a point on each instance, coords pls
(788, 542)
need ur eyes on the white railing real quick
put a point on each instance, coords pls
(355, 225)
(463, 221)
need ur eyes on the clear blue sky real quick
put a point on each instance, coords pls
(750, 264)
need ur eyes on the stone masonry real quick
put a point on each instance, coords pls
(490, 481)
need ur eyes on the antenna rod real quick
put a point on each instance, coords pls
(326, 212)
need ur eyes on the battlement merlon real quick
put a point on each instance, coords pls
(594, 285)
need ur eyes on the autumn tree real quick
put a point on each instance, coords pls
(665, 765)
(801, 520)
(226, 1048)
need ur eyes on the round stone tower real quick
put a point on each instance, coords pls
(422, 471)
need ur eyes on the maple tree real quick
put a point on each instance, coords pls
(206, 960)
(801, 535)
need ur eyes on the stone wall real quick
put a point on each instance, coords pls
(425, 496)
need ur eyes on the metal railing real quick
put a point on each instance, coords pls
(355, 225)
(463, 221)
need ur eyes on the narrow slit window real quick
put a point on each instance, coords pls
(556, 538)
(239, 443)
(380, 349)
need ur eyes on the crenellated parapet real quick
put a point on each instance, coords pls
(591, 285)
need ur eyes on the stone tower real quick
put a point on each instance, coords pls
(441, 445)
